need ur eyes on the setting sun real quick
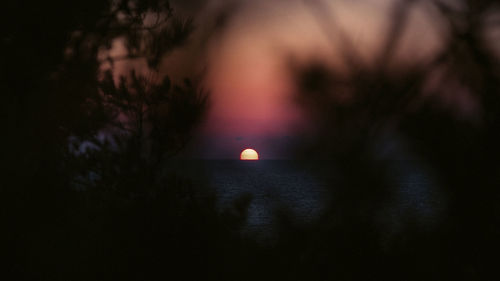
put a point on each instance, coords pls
(249, 154)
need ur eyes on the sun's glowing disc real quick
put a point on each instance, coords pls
(249, 154)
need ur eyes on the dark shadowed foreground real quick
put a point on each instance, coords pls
(392, 182)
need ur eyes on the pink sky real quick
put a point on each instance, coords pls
(245, 65)
(248, 78)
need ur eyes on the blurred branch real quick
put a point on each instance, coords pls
(326, 22)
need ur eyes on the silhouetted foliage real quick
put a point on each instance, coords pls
(359, 114)
(89, 193)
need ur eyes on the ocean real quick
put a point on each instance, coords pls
(305, 190)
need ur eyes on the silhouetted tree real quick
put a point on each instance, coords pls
(114, 211)
(356, 113)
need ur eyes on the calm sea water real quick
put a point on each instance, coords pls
(273, 186)
(304, 190)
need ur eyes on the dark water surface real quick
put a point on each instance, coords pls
(304, 190)
(273, 185)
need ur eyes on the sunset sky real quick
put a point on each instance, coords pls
(245, 64)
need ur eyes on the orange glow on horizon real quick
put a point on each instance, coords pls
(249, 154)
